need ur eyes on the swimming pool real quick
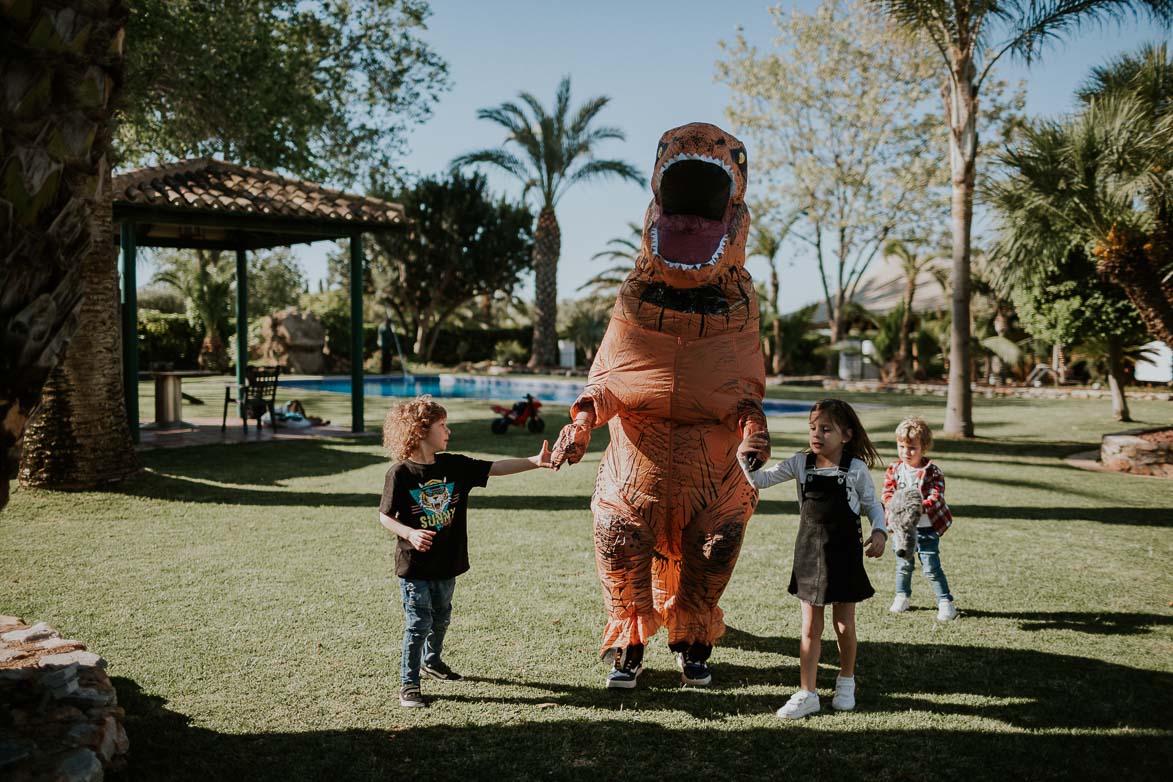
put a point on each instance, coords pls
(504, 388)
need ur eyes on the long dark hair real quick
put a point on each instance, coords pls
(844, 416)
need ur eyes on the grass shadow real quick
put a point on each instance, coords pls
(1007, 686)
(264, 464)
(1137, 517)
(1094, 623)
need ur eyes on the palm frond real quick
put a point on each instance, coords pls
(498, 158)
(1034, 23)
(586, 114)
(600, 169)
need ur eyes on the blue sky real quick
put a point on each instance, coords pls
(656, 62)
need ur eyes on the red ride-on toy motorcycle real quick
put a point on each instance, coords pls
(523, 413)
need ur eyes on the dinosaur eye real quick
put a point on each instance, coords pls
(660, 150)
(739, 158)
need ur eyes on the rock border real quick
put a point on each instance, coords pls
(63, 721)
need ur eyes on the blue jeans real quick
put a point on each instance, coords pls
(428, 607)
(928, 548)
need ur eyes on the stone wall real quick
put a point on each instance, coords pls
(1140, 452)
(59, 714)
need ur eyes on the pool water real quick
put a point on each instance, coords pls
(508, 389)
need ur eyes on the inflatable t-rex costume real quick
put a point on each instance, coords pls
(679, 379)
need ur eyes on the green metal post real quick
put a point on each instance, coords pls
(356, 341)
(130, 328)
(241, 325)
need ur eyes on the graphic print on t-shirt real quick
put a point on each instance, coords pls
(435, 503)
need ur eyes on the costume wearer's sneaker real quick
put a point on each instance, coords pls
(438, 670)
(899, 605)
(693, 673)
(410, 697)
(946, 611)
(628, 667)
(844, 699)
(801, 704)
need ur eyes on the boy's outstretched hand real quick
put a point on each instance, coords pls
(875, 546)
(542, 459)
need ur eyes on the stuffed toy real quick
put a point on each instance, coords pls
(904, 513)
(679, 380)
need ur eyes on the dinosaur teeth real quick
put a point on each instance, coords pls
(688, 266)
(728, 169)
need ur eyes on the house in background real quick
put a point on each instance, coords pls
(1159, 368)
(880, 290)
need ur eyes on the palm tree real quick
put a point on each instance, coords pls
(624, 250)
(80, 436)
(971, 36)
(555, 151)
(62, 66)
(911, 266)
(1098, 180)
(207, 289)
(767, 243)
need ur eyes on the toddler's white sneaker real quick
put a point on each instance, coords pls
(946, 611)
(899, 605)
(801, 704)
(844, 699)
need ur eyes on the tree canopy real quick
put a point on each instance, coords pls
(462, 244)
(324, 90)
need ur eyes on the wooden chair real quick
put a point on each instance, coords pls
(258, 395)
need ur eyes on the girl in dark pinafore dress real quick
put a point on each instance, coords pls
(833, 487)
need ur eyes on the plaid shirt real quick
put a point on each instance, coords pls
(932, 488)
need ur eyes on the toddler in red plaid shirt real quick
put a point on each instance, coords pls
(914, 470)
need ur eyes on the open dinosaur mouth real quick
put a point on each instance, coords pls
(694, 194)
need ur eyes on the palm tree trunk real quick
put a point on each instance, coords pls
(1116, 380)
(904, 353)
(961, 103)
(1124, 257)
(547, 248)
(56, 133)
(776, 359)
(79, 437)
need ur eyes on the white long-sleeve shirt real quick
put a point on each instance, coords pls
(861, 492)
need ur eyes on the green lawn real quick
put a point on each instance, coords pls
(245, 598)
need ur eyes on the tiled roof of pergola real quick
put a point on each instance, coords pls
(213, 204)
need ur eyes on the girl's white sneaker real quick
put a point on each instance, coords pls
(801, 704)
(946, 611)
(899, 605)
(844, 699)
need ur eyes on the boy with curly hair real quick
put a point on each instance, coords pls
(914, 470)
(425, 499)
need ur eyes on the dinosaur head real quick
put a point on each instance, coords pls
(697, 223)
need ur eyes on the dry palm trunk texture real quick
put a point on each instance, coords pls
(547, 249)
(1130, 260)
(61, 66)
(79, 437)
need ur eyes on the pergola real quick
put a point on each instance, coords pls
(212, 205)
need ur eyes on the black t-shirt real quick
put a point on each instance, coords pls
(433, 496)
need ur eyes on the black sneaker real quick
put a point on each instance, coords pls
(410, 696)
(694, 671)
(438, 670)
(628, 667)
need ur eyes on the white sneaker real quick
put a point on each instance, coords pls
(801, 704)
(946, 611)
(899, 605)
(844, 699)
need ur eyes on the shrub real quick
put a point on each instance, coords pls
(508, 352)
(167, 339)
